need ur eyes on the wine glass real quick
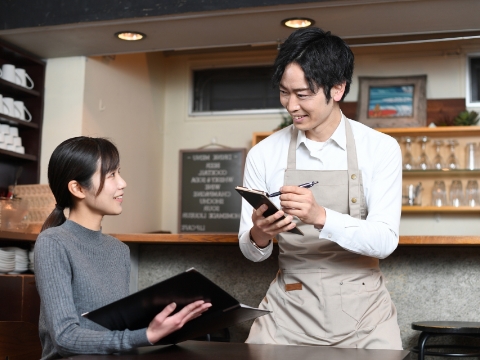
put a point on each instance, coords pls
(456, 193)
(438, 162)
(408, 163)
(439, 193)
(423, 161)
(452, 160)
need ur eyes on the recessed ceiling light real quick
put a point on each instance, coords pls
(297, 23)
(130, 35)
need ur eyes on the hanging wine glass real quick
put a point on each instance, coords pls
(452, 160)
(438, 162)
(423, 161)
(408, 163)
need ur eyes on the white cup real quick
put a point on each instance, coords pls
(10, 147)
(4, 129)
(8, 107)
(3, 107)
(8, 139)
(3, 145)
(17, 141)
(2, 137)
(13, 131)
(8, 72)
(20, 149)
(20, 110)
(23, 79)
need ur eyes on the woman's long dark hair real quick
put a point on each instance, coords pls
(77, 159)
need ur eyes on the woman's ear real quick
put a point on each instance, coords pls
(76, 189)
(338, 91)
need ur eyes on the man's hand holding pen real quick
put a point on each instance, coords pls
(300, 202)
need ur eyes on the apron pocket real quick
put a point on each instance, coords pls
(298, 307)
(355, 299)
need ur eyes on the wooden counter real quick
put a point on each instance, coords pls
(225, 239)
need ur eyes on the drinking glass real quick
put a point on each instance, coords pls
(452, 160)
(438, 162)
(472, 194)
(456, 193)
(423, 161)
(408, 163)
(470, 156)
(439, 193)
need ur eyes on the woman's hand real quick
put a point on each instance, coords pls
(300, 202)
(164, 324)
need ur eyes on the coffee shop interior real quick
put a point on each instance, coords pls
(81, 79)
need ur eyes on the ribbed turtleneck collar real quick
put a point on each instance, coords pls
(88, 236)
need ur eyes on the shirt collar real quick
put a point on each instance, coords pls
(338, 136)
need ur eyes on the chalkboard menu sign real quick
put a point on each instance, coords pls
(208, 200)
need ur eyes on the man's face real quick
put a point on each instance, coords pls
(310, 111)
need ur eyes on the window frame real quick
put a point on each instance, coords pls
(468, 82)
(191, 95)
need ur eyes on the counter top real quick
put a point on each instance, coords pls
(240, 351)
(225, 239)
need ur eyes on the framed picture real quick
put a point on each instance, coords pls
(392, 102)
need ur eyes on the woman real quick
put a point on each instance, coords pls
(79, 269)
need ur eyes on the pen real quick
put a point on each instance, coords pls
(306, 186)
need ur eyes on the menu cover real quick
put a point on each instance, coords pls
(137, 310)
(257, 198)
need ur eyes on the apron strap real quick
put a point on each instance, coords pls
(355, 195)
(292, 149)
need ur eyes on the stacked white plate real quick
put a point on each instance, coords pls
(31, 260)
(15, 260)
(7, 260)
(21, 260)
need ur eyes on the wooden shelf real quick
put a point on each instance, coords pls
(443, 172)
(16, 156)
(5, 119)
(440, 131)
(232, 239)
(442, 209)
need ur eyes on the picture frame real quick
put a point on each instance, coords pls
(392, 102)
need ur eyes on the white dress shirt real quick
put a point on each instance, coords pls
(380, 162)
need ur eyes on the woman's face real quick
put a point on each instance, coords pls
(109, 201)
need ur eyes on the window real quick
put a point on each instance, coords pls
(473, 80)
(234, 89)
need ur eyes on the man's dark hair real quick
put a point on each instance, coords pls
(325, 59)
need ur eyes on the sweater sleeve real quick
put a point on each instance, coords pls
(53, 276)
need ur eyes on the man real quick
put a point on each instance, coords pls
(329, 289)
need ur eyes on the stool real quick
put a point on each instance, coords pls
(442, 328)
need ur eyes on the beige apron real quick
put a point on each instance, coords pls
(324, 294)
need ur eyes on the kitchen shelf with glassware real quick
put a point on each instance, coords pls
(426, 145)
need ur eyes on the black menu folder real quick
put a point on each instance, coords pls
(257, 198)
(137, 310)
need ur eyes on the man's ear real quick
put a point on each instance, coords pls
(76, 189)
(337, 91)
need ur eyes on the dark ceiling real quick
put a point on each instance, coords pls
(61, 28)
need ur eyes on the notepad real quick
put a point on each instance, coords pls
(257, 198)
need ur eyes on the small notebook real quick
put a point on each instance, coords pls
(256, 198)
(137, 310)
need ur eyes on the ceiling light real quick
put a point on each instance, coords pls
(297, 23)
(130, 35)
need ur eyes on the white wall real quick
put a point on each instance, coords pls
(63, 108)
(141, 101)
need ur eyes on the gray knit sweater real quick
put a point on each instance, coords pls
(79, 270)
